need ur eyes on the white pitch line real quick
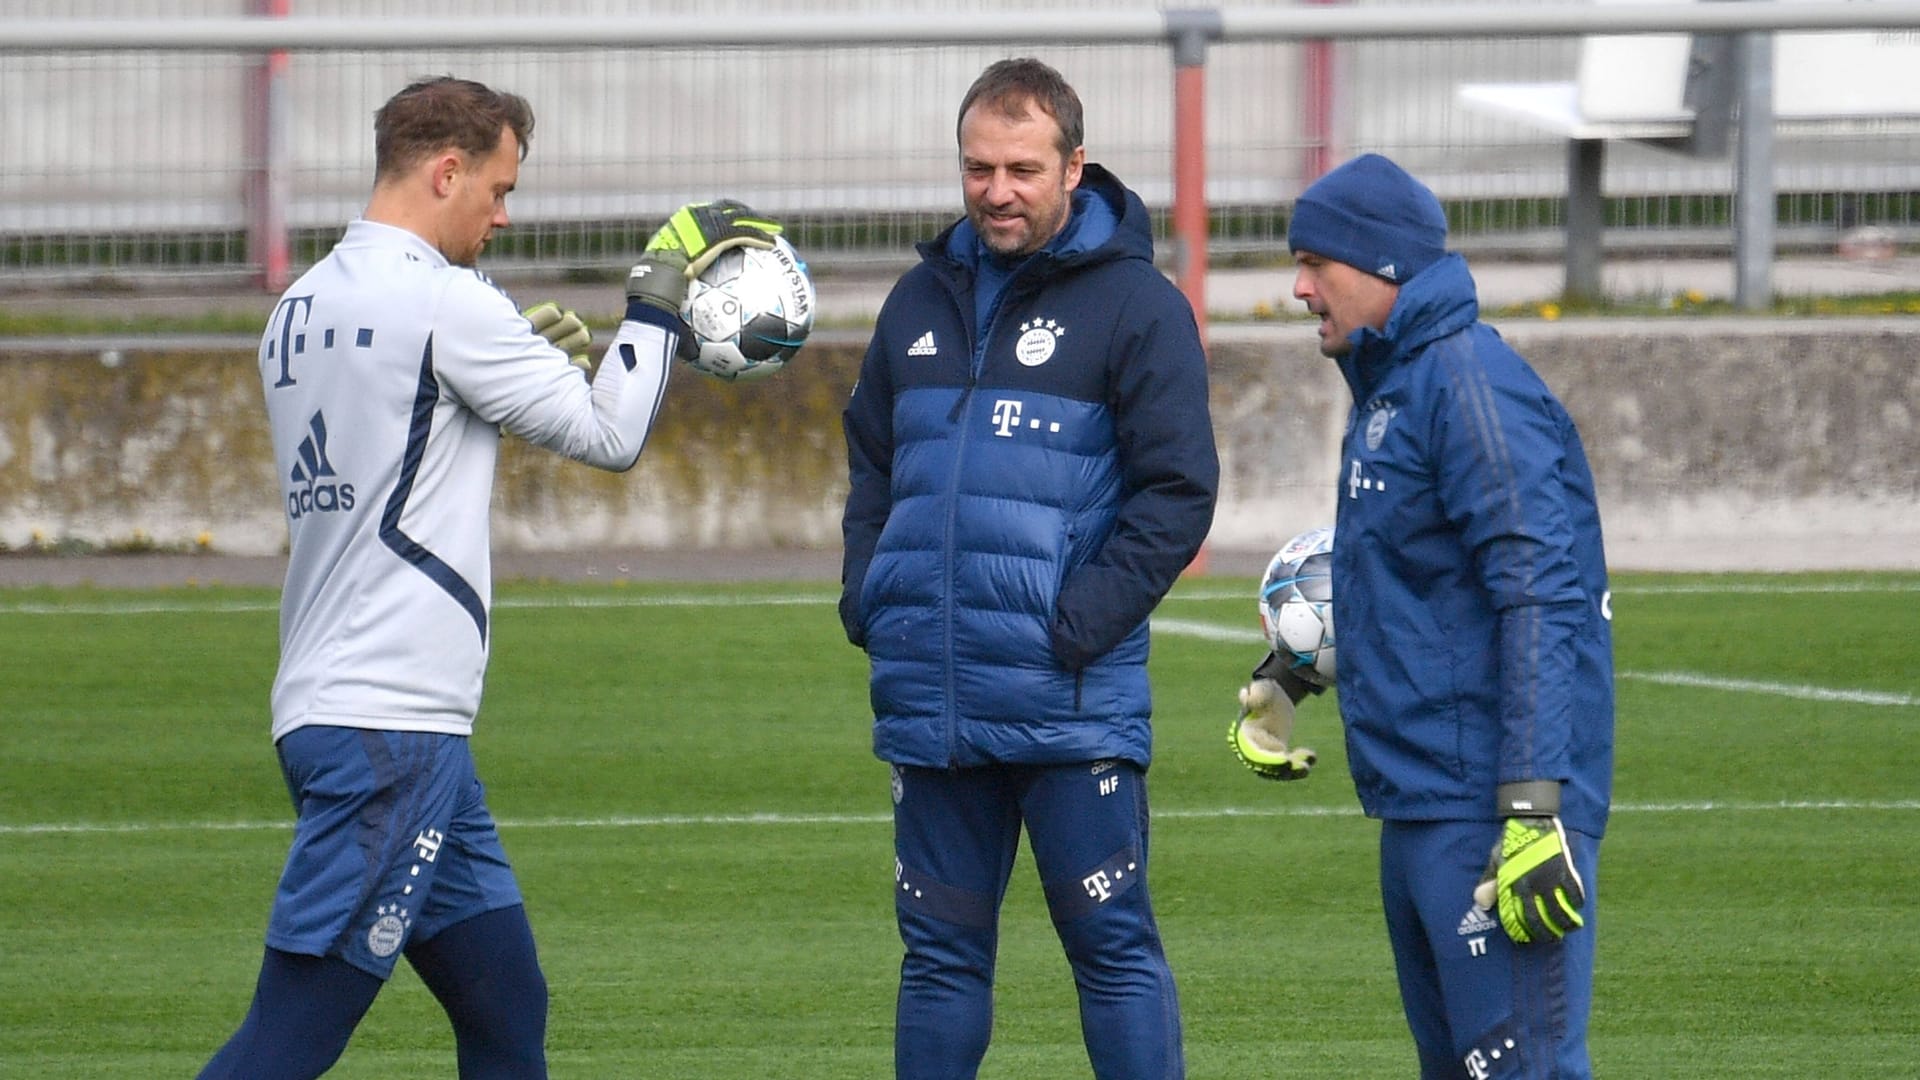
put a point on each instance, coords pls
(1787, 690)
(221, 607)
(1695, 588)
(673, 600)
(1214, 632)
(762, 820)
(1207, 631)
(1762, 588)
(1185, 594)
(144, 607)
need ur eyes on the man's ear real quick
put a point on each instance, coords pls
(446, 169)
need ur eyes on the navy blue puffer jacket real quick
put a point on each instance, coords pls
(1023, 492)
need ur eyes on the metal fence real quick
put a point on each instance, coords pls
(125, 163)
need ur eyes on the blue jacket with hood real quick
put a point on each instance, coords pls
(1025, 485)
(1470, 585)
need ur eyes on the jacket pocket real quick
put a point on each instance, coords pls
(853, 617)
(1057, 630)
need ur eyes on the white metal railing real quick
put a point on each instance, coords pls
(1289, 23)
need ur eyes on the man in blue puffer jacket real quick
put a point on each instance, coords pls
(1031, 465)
(1476, 659)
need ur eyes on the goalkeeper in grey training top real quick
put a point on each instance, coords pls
(1475, 673)
(390, 370)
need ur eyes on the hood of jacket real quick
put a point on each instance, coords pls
(1439, 301)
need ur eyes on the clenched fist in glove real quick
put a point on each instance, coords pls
(563, 330)
(1531, 877)
(1260, 736)
(691, 239)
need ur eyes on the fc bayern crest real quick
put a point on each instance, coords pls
(388, 931)
(1377, 422)
(1037, 339)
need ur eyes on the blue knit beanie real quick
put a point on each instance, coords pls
(1371, 215)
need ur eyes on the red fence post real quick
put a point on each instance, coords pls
(1317, 107)
(267, 137)
(1190, 31)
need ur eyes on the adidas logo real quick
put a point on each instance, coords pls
(313, 463)
(924, 346)
(1475, 921)
(1387, 272)
(312, 467)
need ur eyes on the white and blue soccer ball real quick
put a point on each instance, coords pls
(1296, 605)
(750, 311)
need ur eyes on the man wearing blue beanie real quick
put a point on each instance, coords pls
(1476, 660)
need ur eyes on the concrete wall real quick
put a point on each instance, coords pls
(1717, 444)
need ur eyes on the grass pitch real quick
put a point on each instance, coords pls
(685, 784)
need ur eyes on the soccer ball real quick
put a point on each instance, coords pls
(750, 311)
(1296, 604)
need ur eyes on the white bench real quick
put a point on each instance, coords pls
(1639, 87)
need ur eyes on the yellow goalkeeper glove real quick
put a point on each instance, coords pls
(1531, 878)
(563, 330)
(691, 239)
(1259, 737)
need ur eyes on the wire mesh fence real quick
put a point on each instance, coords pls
(133, 164)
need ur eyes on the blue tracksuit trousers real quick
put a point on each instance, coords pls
(1481, 1007)
(955, 835)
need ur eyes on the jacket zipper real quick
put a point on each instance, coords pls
(975, 357)
(976, 361)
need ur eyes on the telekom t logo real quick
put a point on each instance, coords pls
(290, 341)
(1006, 417)
(1098, 885)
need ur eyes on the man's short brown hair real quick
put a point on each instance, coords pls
(1009, 85)
(444, 113)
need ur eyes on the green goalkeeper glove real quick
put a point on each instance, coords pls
(1531, 877)
(1259, 737)
(688, 243)
(563, 330)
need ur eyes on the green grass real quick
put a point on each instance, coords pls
(59, 323)
(1758, 911)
